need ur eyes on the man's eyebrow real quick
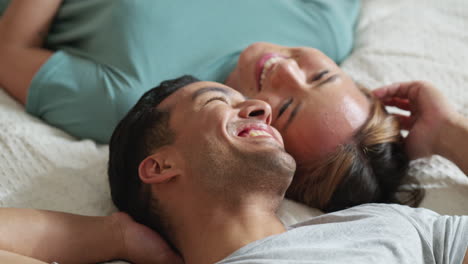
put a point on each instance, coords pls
(292, 116)
(209, 89)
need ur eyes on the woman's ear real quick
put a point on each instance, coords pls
(157, 168)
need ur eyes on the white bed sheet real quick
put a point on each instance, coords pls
(398, 40)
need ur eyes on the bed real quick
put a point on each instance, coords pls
(43, 167)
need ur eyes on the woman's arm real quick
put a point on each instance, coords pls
(23, 28)
(453, 141)
(26, 23)
(434, 126)
(67, 238)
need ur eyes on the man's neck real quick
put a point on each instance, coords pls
(217, 233)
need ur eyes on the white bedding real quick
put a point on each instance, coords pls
(398, 40)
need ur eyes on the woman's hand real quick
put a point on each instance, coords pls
(430, 114)
(142, 245)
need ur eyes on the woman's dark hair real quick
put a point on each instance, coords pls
(142, 131)
(372, 168)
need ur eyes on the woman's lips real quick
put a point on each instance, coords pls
(261, 63)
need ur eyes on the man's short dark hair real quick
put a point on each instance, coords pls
(142, 131)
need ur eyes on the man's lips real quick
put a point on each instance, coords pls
(255, 130)
(261, 64)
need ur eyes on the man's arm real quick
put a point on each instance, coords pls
(23, 28)
(434, 126)
(11, 258)
(67, 238)
(52, 236)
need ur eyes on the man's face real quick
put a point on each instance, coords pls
(226, 140)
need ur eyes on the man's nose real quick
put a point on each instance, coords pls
(256, 109)
(288, 75)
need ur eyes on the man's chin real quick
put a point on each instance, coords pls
(274, 173)
(288, 164)
(275, 161)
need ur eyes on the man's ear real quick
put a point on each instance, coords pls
(157, 168)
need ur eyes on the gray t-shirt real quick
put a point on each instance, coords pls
(374, 233)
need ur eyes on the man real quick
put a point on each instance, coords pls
(201, 164)
(220, 164)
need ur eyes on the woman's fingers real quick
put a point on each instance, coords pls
(386, 91)
(403, 90)
(406, 122)
(403, 104)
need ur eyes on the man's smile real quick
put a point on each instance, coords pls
(258, 130)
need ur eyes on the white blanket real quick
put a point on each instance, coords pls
(398, 40)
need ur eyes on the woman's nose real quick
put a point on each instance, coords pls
(256, 109)
(288, 75)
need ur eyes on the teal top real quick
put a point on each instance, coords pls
(109, 52)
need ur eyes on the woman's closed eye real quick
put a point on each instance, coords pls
(320, 75)
(284, 107)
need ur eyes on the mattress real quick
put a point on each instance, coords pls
(400, 40)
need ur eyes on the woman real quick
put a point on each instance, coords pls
(99, 57)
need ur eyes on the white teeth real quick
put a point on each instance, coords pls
(270, 62)
(256, 133)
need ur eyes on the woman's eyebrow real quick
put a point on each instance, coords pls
(204, 90)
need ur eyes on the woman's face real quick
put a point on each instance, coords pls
(316, 106)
